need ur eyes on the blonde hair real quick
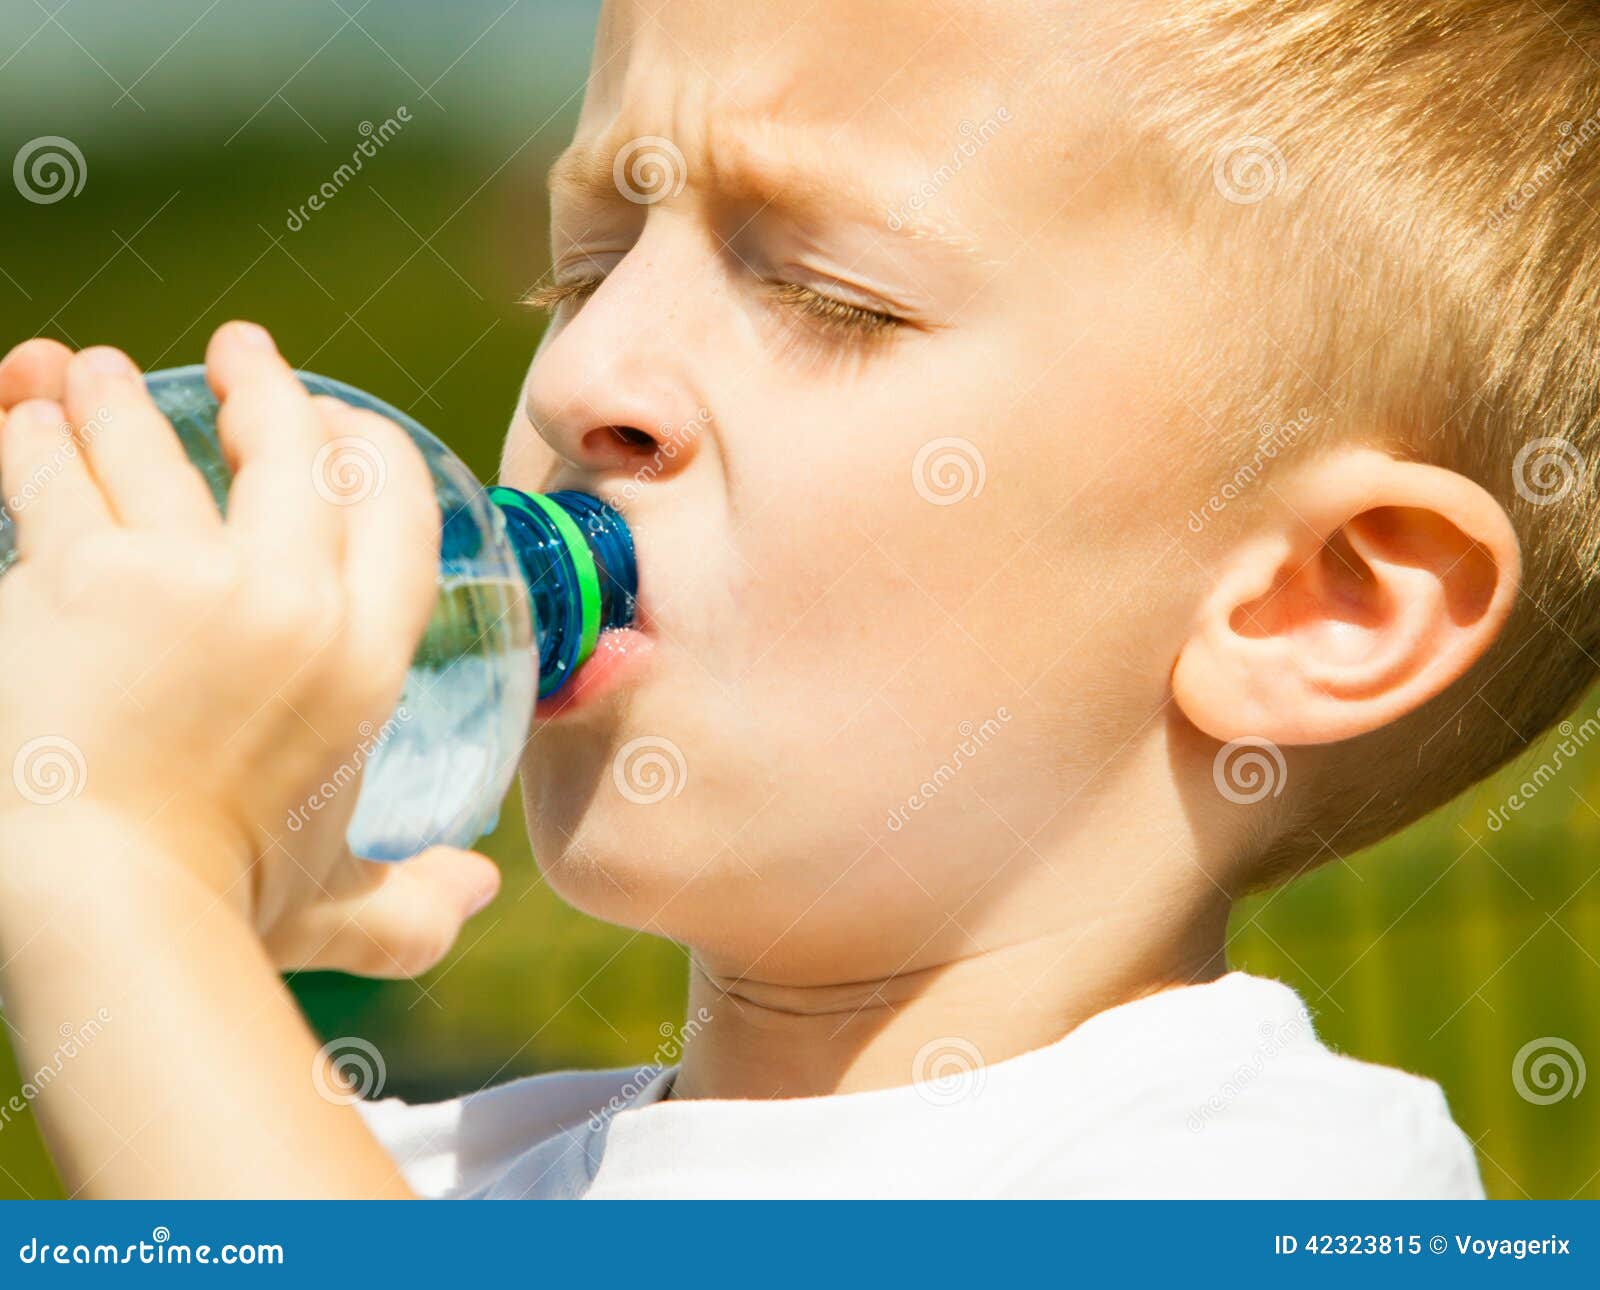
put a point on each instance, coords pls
(1403, 201)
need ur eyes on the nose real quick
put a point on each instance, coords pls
(612, 390)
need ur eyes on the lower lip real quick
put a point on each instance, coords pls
(618, 655)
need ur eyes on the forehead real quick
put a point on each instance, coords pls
(905, 88)
(824, 61)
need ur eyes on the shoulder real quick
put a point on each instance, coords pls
(456, 1146)
(1319, 1124)
(1225, 1090)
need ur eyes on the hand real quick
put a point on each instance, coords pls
(194, 679)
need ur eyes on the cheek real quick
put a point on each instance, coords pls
(888, 529)
(888, 594)
(918, 563)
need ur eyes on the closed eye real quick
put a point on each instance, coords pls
(834, 314)
(550, 296)
(829, 313)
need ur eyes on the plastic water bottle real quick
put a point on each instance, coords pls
(526, 584)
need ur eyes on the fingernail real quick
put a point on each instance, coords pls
(257, 337)
(482, 901)
(105, 361)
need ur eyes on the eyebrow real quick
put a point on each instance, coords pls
(774, 166)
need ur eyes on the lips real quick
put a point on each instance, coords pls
(619, 654)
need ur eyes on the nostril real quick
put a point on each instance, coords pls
(632, 438)
(616, 445)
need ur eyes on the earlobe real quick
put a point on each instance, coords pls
(1370, 586)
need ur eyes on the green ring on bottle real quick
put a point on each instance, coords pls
(583, 563)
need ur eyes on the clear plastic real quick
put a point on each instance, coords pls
(437, 770)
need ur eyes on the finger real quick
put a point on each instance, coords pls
(49, 491)
(132, 449)
(403, 924)
(273, 435)
(392, 533)
(35, 369)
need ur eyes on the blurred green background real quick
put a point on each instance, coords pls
(203, 126)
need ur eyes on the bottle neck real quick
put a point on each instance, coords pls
(577, 556)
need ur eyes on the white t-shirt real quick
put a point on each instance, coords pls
(1216, 1090)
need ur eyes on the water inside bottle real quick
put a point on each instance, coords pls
(437, 769)
(440, 772)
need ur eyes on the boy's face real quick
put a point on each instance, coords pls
(887, 394)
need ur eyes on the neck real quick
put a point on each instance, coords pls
(761, 1039)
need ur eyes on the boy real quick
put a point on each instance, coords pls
(987, 652)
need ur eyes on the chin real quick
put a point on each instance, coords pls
(621, 819)
(603, 855)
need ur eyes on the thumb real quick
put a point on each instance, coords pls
(399, 923)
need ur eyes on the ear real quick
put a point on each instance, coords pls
(1369, 586)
